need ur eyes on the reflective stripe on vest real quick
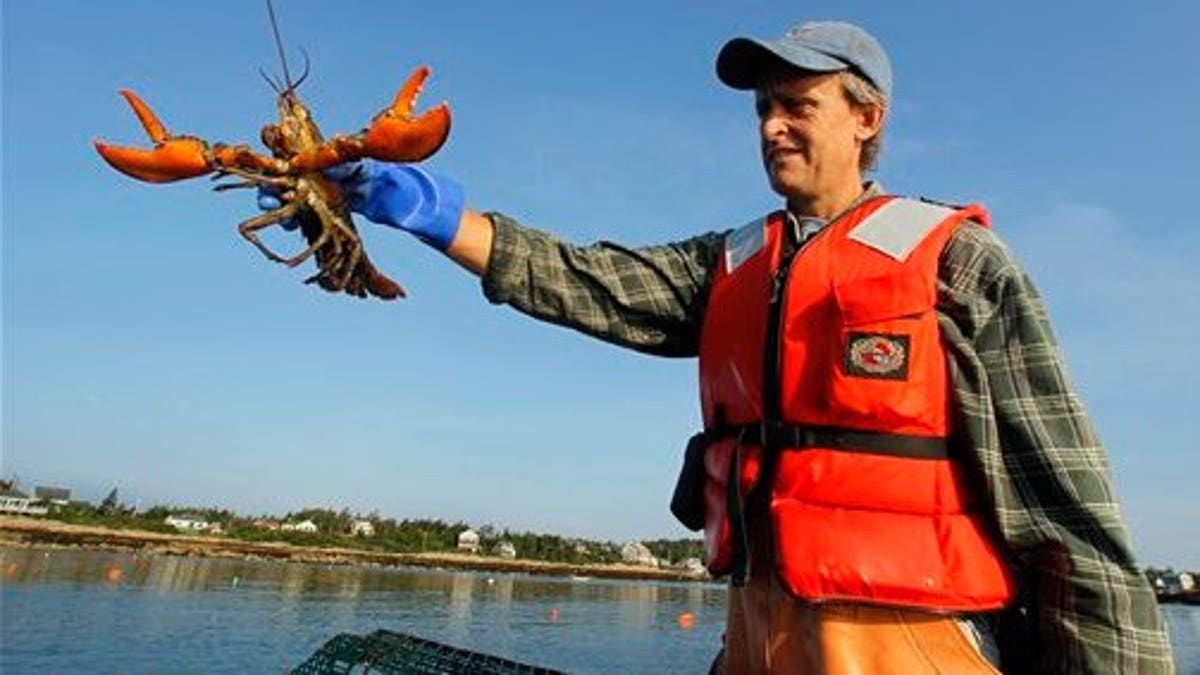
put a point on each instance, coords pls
(860, 356)
(899, 226)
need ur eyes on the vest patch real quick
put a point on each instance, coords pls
(743, 243)
(899, 226)
(877, 355)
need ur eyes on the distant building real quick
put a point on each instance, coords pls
(53, 495)
(694, 568)
(190, 522)
(362, 528)
(468, 540)
(505, 549)
(1187, 582)
(306, 526)
(636, 553)
(14, 501)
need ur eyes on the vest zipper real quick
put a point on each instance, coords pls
(757, 497)
(772, 359)
(772, 365)
(794, 242)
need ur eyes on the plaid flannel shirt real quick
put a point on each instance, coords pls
(1086, 607)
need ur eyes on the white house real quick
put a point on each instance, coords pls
(1187, 582)
(15, 501)
(306, 526)
(190, 522)
(468, 540)
(694, 568)
(505, 549)
(636, 553)
(362, 528)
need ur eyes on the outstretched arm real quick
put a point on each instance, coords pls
(650, 299)
(472, 244)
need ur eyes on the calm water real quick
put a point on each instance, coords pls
(99, 612)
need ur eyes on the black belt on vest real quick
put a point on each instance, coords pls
(790, 436)
(776, 436)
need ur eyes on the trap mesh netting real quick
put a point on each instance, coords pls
(394, 653)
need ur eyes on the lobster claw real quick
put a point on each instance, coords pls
(173, 157)
(395, 136)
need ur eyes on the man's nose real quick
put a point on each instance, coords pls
(772, 125)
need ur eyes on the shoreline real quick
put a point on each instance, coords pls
(1191, 597)
(21, 531)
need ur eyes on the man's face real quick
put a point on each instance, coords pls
(811, 134)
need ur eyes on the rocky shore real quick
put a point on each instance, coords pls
(16, 531)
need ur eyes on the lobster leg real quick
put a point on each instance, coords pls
(333, 221)
(253, 180)
(307, 253)
(286, 212)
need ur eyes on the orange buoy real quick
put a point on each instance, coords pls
(113, 574)
(686, 620)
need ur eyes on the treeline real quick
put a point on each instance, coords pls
(676, 550)
(335, 528)
(548, 547)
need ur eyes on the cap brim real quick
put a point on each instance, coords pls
(742, 61)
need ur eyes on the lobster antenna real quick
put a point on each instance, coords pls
(287, 78)
(275, 87)
(303, 75)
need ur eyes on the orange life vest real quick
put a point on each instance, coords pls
(824, 374)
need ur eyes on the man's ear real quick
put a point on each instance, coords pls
(870, 122)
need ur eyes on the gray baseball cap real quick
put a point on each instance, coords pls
(817, 46)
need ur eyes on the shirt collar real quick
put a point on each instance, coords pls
(804, 227)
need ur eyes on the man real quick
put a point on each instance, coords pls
(896, 473)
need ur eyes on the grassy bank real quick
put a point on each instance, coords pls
(16, 531)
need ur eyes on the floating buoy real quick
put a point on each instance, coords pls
(552, 614)
(114, 574)
(686, 620)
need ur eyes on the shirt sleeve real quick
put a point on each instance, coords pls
(649, 299)
(1086, 605)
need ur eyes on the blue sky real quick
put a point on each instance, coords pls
(147, 346)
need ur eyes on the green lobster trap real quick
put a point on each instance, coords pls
(391, 653)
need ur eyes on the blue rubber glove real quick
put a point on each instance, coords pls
(403, 196)
(398, 195)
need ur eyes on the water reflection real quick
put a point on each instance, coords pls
(1184, 623)
(461, 586)
(181, 607)
(62, 607)
(301, 582)
(637, 605)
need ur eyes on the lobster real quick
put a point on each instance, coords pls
(299, 154)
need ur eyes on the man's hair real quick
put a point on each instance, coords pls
(862, 93)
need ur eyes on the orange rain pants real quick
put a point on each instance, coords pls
(770, 631)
